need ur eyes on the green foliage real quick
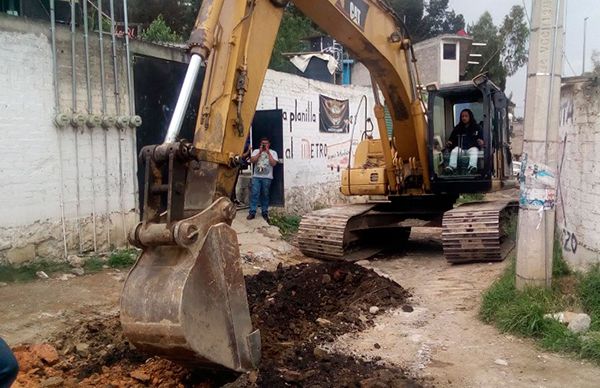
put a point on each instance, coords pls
(467, 198)
(427, 20)
(514, 32)
(506, 49)
(589, 292)
(501, 291)
(510, 224)
(123, 258)
(294, 27)
(556, 337)
(522, 312)
(559, 264)
(411, 12)
(10, 273)
(288, 224)
(118, 259)
(160, 32)
(596, 62)
(93, 264)
(590, 346)
(178, 15)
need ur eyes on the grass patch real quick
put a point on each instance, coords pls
(288, 224)
(123, 258)
(467, 198)
(10, 273)
(559, 264)
(94, 264)
(522, 312)
(589, 292)
(27, 272)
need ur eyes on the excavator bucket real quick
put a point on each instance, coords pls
(185, 299)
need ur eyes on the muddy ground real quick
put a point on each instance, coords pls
(297, 309)
(434, 336)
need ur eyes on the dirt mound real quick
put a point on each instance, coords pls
(296, 309)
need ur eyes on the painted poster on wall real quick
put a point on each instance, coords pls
(334, 115)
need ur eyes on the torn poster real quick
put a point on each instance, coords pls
(538, 186)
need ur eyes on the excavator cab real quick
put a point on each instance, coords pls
(463, 167)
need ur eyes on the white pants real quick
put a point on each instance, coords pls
(473, 153)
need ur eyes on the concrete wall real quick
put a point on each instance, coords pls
(56, 180)
(77, 188)
(428, 60)
(312, 159)
(578, 211)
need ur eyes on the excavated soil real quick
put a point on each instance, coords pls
(296, 309)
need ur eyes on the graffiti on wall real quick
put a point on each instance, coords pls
(569, 241)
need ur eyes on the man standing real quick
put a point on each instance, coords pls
(264, 159)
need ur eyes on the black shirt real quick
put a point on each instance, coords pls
(467, 134)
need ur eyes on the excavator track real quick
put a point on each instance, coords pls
(326, 234)
(474, 232)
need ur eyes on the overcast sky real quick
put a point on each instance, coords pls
(576, 11)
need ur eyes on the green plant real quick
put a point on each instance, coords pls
(522, 312)
(158, 31)
(559, 264)
(93, 264)
(558, 338)
(288, 224)
(11, 273)
(467, 198)
(501, 291)
(590, 346)
(122, 258)
(510, 222)
(589, 292)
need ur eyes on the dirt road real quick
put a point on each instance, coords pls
(441, 341)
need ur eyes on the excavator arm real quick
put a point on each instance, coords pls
(185, 298)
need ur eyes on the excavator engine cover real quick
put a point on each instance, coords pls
(185, 298)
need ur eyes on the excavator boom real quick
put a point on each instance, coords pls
(185, 298)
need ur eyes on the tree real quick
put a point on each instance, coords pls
(427, 20)
(159, 32)
(506, 49)
(515, 34)
(596, 62)
(411, 13)
(178, 15)
(294, 27)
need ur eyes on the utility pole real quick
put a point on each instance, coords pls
(540, 146)
(584, 36)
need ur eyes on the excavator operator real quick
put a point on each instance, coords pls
(466, 136)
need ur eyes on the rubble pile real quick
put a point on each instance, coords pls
(296, 308)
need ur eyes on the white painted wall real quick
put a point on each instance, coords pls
(578, 211)
(449, 68)
(36, 153)
(312, 177)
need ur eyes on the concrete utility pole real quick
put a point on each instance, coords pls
(540, 146)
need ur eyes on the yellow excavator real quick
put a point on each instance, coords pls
(185, 298)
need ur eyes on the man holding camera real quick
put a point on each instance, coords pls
(264, 159)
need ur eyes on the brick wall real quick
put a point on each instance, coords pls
(578, 212)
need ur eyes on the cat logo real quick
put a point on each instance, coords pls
(357, 11)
